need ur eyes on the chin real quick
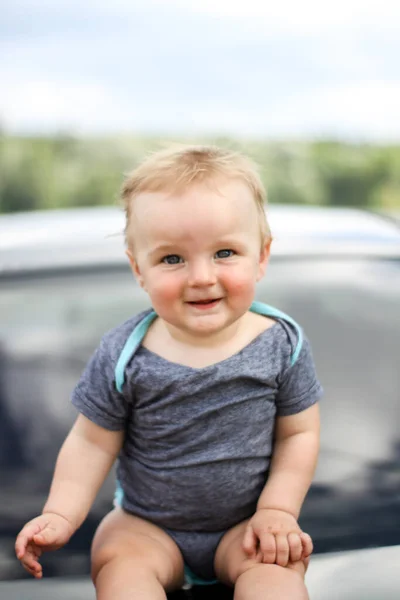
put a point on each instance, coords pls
(210, 328)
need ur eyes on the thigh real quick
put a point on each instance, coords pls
(147, 546)
(231, 561)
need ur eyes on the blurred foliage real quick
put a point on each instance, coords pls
(63, 171)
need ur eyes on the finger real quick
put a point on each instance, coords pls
(20, 546)
(250, 541)
(32, 555)
(25, 536)
(282, 550)
(295, 547)
(31, 563)
(307, 544)
(38, 574)
(306, 562)
(268, 548)
(35, 571)
(23, 539)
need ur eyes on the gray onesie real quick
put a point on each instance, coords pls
(198, 441)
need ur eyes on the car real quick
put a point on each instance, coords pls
(65, 280)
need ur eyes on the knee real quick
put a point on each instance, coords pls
(101, 555)
(111, 552)
(244, 566)
(285, 581)
(254, 571)
(259, 569)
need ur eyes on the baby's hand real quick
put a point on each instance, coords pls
(276, 535)
(46, 532)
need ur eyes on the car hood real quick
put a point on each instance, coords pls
(371, 574)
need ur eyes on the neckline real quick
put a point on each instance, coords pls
(220, 362)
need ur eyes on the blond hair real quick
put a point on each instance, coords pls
(180, 167)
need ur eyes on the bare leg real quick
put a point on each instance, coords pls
(254, 580)
(270, 582)
(133, 559)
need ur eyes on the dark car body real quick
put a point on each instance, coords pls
(64, 281)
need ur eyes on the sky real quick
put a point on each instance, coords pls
(256, 68)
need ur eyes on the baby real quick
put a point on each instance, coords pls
(208, 400)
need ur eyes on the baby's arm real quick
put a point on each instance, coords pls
(82, 465)
(274, 527)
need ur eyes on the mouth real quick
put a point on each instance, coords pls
(208, 303)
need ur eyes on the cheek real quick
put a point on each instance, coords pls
(241, 282)
(164, 289)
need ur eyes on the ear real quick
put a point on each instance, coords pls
(264, 258)
(135, 268)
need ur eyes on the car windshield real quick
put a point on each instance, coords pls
(349, 308)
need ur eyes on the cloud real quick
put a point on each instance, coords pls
(362, 111)
(52, 107)
(366, 109)
(308, 16)
(238, 67)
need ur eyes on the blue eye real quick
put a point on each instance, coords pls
(224, 253)
(172, 259)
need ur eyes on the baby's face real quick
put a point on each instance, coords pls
(198, 255)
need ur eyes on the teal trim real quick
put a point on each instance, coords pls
(269, 311)
(192, 579)
(118, 495)
(141, 328)
(130, 347)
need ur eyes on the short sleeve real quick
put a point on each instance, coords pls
(298, 386)
(96, 396)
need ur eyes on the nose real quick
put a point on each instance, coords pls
(201, 273)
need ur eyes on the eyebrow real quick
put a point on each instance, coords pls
(171, 247)
(160, 249)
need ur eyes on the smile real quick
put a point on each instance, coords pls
(210, 302)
